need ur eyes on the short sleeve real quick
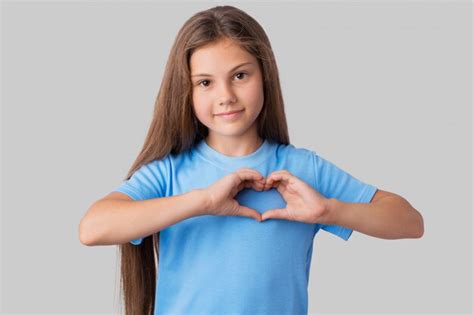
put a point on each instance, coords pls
(334, 182)
(148, 182)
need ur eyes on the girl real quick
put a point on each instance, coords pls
(218, 195)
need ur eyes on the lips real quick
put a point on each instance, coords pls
(228, 113)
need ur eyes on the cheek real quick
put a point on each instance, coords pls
(201, 108)
(256, 96)
(199, 111)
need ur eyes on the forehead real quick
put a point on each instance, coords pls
(219, 57)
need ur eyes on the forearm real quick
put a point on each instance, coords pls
(388, 218)
(110, 222)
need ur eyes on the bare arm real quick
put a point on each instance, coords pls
(117, 219)
(388, 216)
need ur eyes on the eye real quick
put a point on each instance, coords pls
(241, 73)
(199, 83)
(206, 85)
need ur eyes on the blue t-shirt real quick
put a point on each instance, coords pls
(232, 264)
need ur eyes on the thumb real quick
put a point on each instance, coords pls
(275, 214)
(248, 212)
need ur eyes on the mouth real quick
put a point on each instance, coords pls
(230, 115)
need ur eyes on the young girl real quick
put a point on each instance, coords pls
(219, 197)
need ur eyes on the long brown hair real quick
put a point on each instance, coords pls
(175, 128)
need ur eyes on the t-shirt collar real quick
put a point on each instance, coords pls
(235, 162)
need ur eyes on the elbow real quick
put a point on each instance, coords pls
(419, 225)
(87, 229)
(85, 233)
(414, 219)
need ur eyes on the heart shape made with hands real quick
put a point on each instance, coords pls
(303, 202)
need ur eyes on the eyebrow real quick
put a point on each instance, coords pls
(233, 69)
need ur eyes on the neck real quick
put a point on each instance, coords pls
(234, 146)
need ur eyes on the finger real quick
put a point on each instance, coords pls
(246, 169)
(281, 189)
(278, 176)
(279, 172)
(248, 212)
(275, 214)
(254, 185)
(257, 185)
(275, 177)
(255, 175)
(238, 188)
(248, 174)
(246, 184)
(250, 177)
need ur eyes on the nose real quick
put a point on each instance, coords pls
(226, 95)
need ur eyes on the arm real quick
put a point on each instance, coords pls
(118, 219)
(387, 216)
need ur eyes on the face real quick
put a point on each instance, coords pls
(226, 78)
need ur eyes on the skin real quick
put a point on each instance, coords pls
(108, 221)
(225, 90)
(388, 215)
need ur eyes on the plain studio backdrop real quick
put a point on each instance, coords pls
(382, 89)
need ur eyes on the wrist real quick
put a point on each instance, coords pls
(331, 210)
(203, 200)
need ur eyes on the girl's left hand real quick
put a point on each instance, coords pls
(303, 203)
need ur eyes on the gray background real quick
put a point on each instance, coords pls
(382, 89)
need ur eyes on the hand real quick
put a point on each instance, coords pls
(220, 195)
(303, 203)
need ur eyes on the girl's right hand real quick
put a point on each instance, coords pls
(220, 195)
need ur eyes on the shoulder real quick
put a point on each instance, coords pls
(155, 166)
(158, 162)
(294, 152)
